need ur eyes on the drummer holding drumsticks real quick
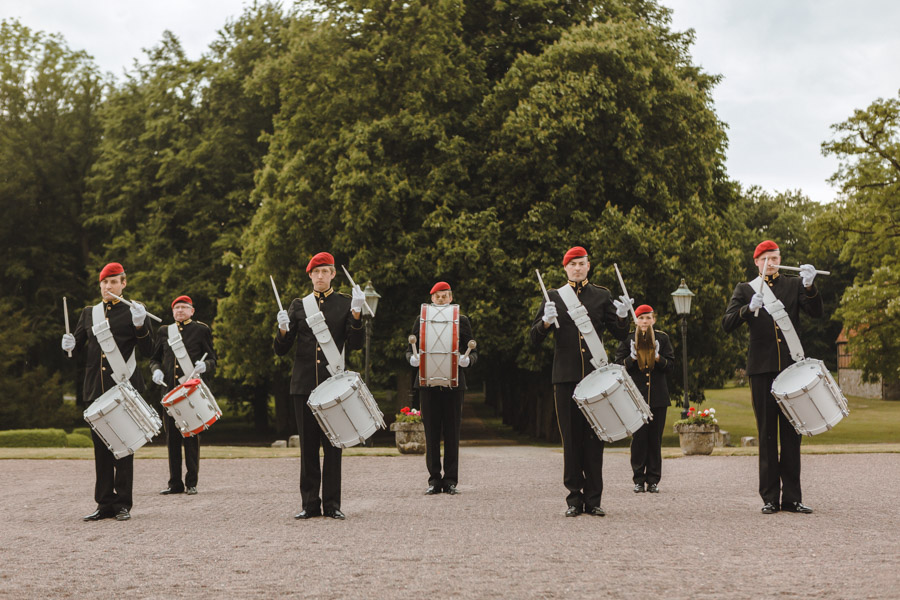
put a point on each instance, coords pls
(343, 318)
(572, 361)
(114, 477)
(442, 404)
(196, 339)
(769, 355)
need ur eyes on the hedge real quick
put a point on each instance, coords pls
(85, 431)
(33, 438)
(76, 440)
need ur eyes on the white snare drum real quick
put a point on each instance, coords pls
(612, 403)
(192, 406)
(439, 343)
(345, 409)
(123, 420)
(810, 397)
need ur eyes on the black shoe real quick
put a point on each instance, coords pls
(639, 488)
(307, 514)
(335, 514)
(191, 491)
(769, 509)
(169, 490)
(98, 515)
(123, 515)
(596, 511)
(796, 507)
(653, 488)
(573, 511)
(451, 489)
(432, 490)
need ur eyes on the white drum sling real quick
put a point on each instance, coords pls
(439, 342)
(342, 404)
(120, 417)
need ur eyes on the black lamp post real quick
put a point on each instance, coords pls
(372, 300)
(682, 298)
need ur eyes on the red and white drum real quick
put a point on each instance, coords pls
(439, 343)
(192, 406)
(123, 420)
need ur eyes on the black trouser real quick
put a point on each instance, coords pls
(115, 478)
(646, 448)
(174, 441)
(311, 437)
(441, 415)
(778, 476)
(582, 451)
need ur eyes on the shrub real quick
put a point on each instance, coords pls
(85, 431)
(76, 440)
(33, 438)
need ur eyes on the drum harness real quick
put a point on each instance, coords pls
(180, 352)
(122, 370)
(579, 314)
(776, 310)
(316, 321)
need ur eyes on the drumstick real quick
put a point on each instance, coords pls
(194, 372)
(66, 315)
(546, 295)
(350, 279)
(129, 303)
(818, 272)
(278, 299)
(763, 282)
(624, 291)
(412, 341)
(472, 344)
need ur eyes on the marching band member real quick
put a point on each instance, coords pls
(648, 357)
(114, 478)
(442, 406)
(582, 449)
(768, 355)
(343, 317)
(191, 339)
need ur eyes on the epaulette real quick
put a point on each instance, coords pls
(344, 295)
(202, 323)
(599, 286)
(661, 331)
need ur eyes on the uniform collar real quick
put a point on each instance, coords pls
(185, 322)
(325, 294)
(579, 285)
(112, 302)
(773, 277)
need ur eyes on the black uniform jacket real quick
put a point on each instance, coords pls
(465, 334)
(768, 351)
(97, 372)
(653, 384)
(310, 365)
(197, 339)
(572, 357)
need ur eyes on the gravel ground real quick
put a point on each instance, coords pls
(504, 536)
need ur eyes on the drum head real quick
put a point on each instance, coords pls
(336, 386)
(805, 374)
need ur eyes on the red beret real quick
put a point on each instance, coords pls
(643, 309)
(573, 253)
(322, 259)
(185, 299)
(111, 270)
(764, 247)
(440, 286)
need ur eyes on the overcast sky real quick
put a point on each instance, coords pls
(791, 68)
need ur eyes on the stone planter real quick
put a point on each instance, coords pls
(410, 437)
(697, 439)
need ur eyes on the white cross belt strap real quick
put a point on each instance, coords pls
(122, 370)
(776, 310)
(316, 321)
(584, 324)
(176, 343)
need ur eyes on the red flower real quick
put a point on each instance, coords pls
(404, 410)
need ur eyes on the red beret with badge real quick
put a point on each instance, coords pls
(322, 259)
(765, 246)
(184, 299)
(573, 253)
(643, 309)
(111, 270)
(440, 286)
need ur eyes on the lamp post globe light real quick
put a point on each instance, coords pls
(682, 299)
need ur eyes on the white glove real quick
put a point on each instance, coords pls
(807, 274)
(199, 367)
(414, 360)
(138, 314)
(549, 312)
(357, 299)
(633, 351)
(284, 321)
(158, 377)
(656, 342)
(756, 301)
(623, 306)
(68, 342)
(463, 361)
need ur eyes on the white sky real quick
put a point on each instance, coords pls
(791, 68)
